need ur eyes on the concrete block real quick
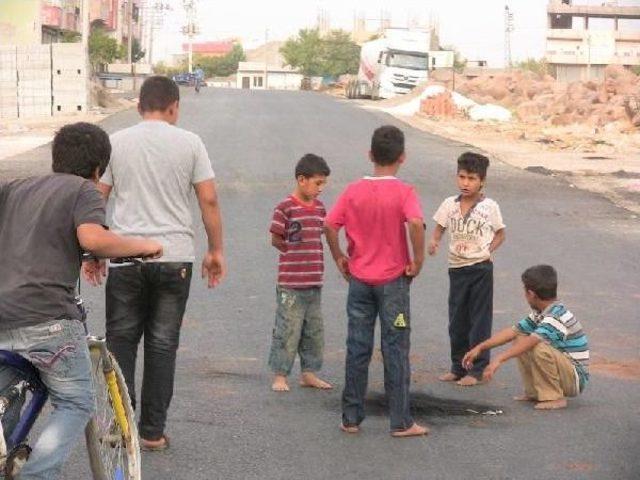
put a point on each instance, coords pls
(73, 83)
(69, 99)
(28, 112)
(68, 108)
(9, 112)
(34, 74)
(26, 62)
(66, 50)
(69, 71)
(40, 85)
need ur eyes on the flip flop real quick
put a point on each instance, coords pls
(155, 448)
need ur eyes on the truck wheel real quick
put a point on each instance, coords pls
(350, 89)
(375, 92)
(356, 88)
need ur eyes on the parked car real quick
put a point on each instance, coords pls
(186, 78)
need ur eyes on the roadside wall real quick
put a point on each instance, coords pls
(42, 80)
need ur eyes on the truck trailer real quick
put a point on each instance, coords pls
(395, 63)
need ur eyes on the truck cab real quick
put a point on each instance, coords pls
(399, 71)
(395, 64)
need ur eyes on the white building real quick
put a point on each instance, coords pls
(259, 76)
(578, 52)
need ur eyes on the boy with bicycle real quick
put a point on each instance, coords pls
(45, 224)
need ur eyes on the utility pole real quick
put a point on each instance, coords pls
(85, 48)
(156, 19)
(129, 31)
(266, 58)
(508, 28)
(190, 29)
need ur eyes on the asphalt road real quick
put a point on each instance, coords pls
(225, 423)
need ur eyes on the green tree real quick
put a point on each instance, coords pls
(313, 55)
(70, 37)
(137, 53)
(102, 49)
(341, 55)
(305, 52)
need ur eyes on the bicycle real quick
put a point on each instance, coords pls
(111, 435)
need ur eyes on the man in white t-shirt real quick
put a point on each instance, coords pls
(476, 230)
(153, 169)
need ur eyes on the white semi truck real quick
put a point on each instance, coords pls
(395, 63)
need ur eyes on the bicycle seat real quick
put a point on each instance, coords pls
(18, 362)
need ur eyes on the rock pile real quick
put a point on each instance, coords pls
(541, 99)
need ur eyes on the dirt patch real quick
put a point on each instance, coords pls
(580, 467)
(619, 369)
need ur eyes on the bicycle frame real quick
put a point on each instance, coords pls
(97, 343)
(40, 394)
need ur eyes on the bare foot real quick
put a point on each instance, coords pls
(524, 398)
(154, 445)
(414, 430)
(551, 404)
(350, 428)
(468, 381)
(310, 379)
(280, 384)
(449, 377)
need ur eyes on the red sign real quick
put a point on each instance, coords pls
(51, 16)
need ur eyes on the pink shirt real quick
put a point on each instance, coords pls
(373, 212)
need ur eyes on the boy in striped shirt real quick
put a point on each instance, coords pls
(296, 231)
(550, 344)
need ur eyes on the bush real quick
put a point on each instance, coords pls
(540, 67)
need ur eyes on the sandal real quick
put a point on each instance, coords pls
(154, 448)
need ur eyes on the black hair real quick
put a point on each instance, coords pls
(473, 163)
(387, 145)
(541, 280)
(157, 94)
(310, 165)
(80, 148)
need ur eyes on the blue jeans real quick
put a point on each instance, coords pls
(58, 350)
(390, 302)
(299, 329)
(150, 300)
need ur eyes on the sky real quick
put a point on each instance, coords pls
(474, 27)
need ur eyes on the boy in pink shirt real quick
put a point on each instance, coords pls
(379, 269)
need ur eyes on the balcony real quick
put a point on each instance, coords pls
(580, 35)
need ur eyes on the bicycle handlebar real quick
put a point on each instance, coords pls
(136, 259)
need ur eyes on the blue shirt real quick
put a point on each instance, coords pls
(559, 328)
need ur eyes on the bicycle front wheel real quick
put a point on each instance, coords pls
(111, 434)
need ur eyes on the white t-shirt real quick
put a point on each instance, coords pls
(153, 168)
(469, 236)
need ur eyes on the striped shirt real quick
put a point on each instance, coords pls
(559, 328)
(301, 226)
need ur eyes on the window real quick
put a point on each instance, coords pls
(257, 81)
